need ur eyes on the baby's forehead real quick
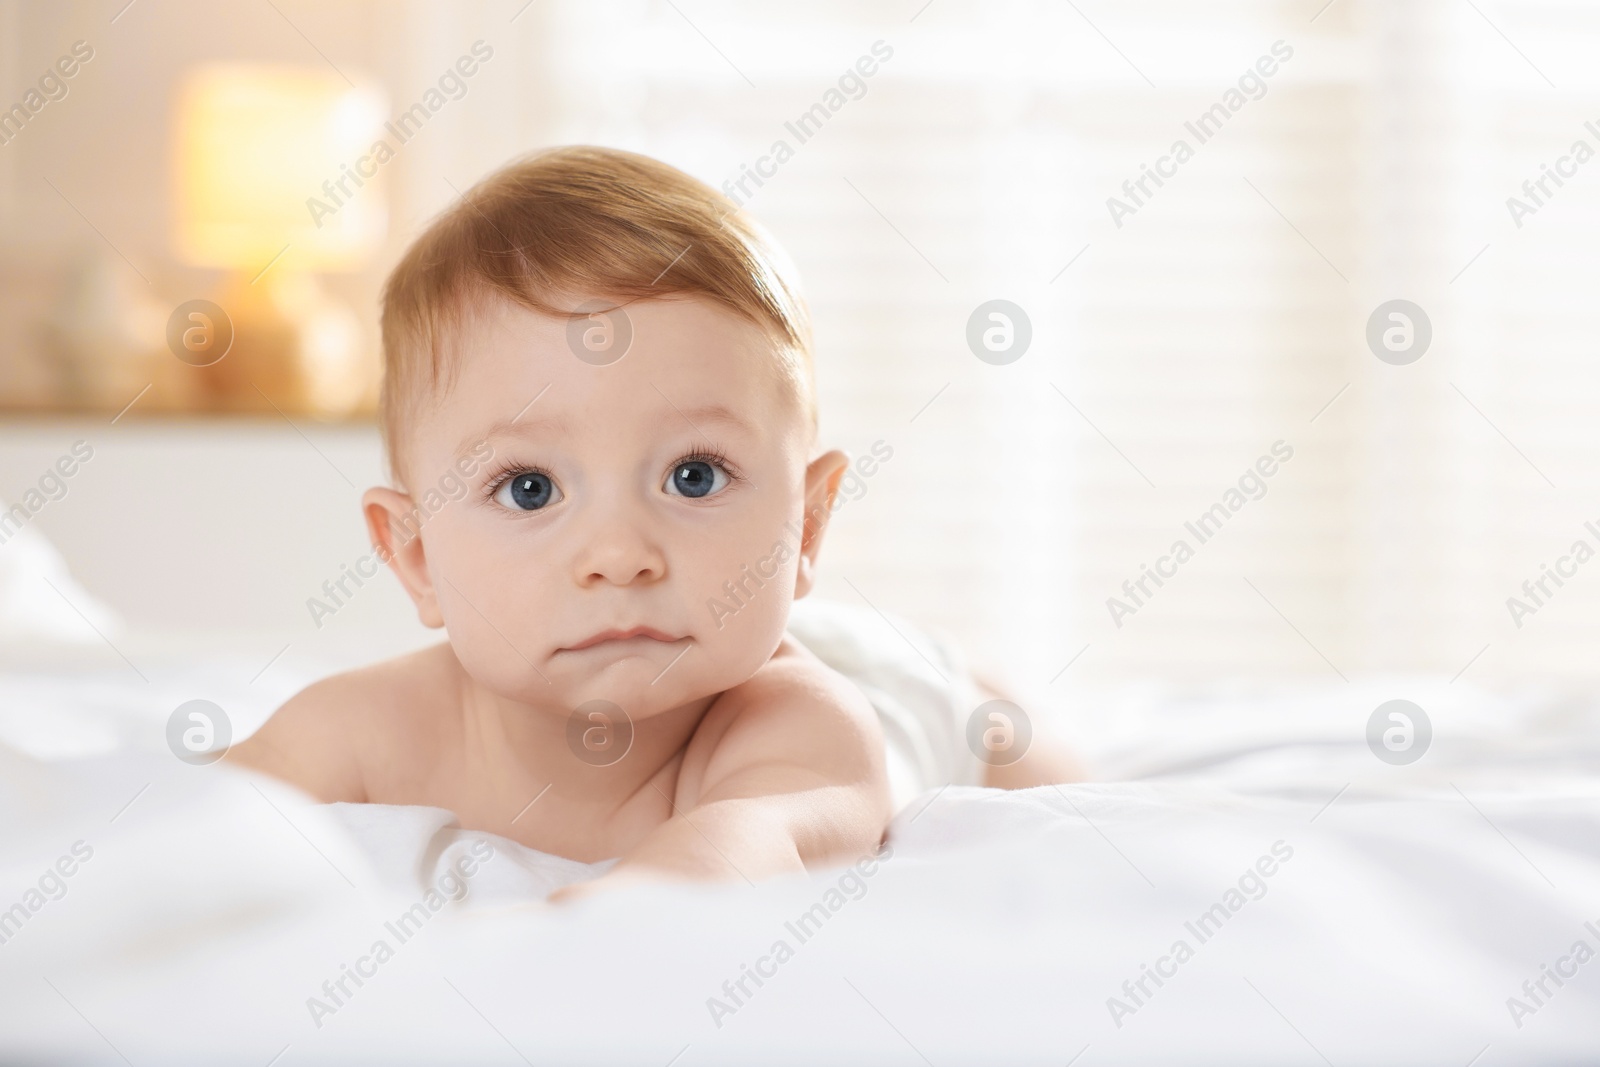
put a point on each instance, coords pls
(677, 364)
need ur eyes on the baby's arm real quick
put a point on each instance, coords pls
(307, 743)
(795, 777)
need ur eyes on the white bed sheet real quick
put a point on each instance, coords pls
(1415, 903)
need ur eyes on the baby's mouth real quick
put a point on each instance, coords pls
(638, 634)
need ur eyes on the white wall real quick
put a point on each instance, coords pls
(203, 531)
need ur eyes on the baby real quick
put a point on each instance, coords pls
(615, 361)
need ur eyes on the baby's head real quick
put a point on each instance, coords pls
(599, 415)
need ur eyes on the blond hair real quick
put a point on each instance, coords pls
(575, 222)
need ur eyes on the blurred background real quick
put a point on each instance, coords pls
(203, 156)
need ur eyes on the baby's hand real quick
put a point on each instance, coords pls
(796, 778)
(606, 883)
(577, 891)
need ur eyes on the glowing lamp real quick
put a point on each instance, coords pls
(265, 190)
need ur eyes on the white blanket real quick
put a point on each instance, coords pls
(1329, 908)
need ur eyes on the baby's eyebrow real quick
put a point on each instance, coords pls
(509, 427)
(715, 413)
(695, 416)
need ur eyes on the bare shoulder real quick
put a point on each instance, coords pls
(795, 710)
(322, 739)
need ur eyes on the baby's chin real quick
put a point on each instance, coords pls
(641, 685)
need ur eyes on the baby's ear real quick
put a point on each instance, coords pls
(822, 486)
(394, 523)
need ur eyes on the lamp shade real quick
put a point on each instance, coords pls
(271, 156)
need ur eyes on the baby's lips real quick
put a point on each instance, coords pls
(621, 635)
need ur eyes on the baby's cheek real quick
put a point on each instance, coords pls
(735, 577)
(485, 655)
(743, 605)
(494, 597)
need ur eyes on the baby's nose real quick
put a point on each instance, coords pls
(619, 549)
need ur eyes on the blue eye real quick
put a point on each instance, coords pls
(527, 491)
(696, 478)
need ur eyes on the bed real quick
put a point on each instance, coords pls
(1244, 883)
